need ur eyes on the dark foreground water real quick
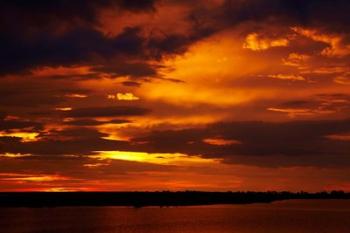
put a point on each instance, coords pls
(312, 216)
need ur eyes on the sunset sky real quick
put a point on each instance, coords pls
(123, 95)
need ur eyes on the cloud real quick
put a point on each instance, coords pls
(336, 46)
(127, 96)
(130, 69)
(339, 137)
(131, 84)
(256, 43)
(19, 124)
(92, 122)
(293, 112)
(43, 14)
(63, 109)
(217, 141)
(34, 92)
(73, 141)
(74, 95)
(328, 14)
(291, 77)
(343, 79)
(67, 49)
(186, 63)
(318, 105)
(49, 35)
(31, 178)
(294, 143)
(113, 111)
(24, 136)
(296, 59)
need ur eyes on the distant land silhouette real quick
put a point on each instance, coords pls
(162, 199)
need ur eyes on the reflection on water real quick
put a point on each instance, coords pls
(313, 216)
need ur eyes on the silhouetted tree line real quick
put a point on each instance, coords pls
(165, 198)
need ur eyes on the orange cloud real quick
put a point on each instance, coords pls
(22, 177)
(336, 47)
(63, 109)
(295, 59)
(256, 42)
(296, 112)
(291, 77)
(343, 79)
(24, 136)
(14, 155)
(76, 96)
(128, 96)
(48, 71)
(293, 112)
(220, 141)
(207, 70)
(339, 137)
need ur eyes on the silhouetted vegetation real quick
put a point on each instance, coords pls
(165, 198)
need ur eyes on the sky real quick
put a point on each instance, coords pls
(217, 95)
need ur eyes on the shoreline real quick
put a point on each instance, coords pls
(156, 199)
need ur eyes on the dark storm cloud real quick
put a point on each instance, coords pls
(77, 46)
(63, 33)
(302, 143)
(29, 35)
(90, 47)
(38, 33)
(113, 111)
(40, 13)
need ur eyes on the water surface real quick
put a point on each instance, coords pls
(296, 216)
